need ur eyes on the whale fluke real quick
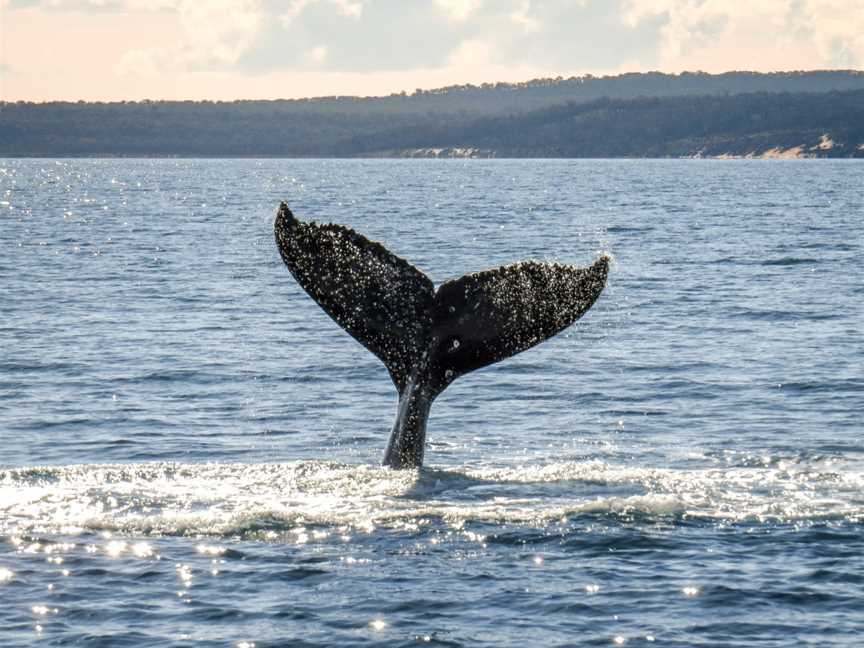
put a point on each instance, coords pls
(428, 338)
(380, 299)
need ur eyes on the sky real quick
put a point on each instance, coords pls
(110, 50)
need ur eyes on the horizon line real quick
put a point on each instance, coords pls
(455, 86)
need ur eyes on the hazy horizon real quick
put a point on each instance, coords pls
(114, 50)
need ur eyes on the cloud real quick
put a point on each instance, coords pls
(472, 52)
(220, 31)
(92, 5)
(566, 37)
(370, 36)
(317, 55)
(217, 33)
(523, 17)
(249, 36)
(458, 10)
(769, 34)
(347, 8)
(257, 37)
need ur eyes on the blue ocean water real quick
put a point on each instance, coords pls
(190, 446)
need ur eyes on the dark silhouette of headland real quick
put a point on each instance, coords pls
(736, 114)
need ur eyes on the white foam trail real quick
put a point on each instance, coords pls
(232, 499)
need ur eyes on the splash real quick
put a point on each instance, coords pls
(227, 500)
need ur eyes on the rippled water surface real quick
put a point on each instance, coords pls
(190, 447)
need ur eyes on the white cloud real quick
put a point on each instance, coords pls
(101, 5)
(458, 10)
(220, 30)
(769, 34)
(317, 55)
(523, 17)
(838, 30)
(472, 52)
(350, 8)
(294, 9)
(149, 5)
(347, 8)
(216, 34)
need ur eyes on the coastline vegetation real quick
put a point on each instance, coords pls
(802, 114)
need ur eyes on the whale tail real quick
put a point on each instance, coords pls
(428, 338)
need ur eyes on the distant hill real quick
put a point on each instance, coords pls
(507, 98)
(737, 113)
(778, 125)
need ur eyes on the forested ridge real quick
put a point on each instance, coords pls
(635, 115)
(820, 125)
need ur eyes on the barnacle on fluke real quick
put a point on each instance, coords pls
(427, 338)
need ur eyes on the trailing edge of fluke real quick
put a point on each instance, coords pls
(425, 337)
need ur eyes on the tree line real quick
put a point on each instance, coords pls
(646, 126)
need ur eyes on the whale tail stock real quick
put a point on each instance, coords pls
(428, 338)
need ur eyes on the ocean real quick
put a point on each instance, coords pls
(191, 448)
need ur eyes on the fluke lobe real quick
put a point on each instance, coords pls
(427, 338)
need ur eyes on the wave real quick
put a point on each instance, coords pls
(782, 261)
(791, 261)
(621, 229)
(233, 499)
